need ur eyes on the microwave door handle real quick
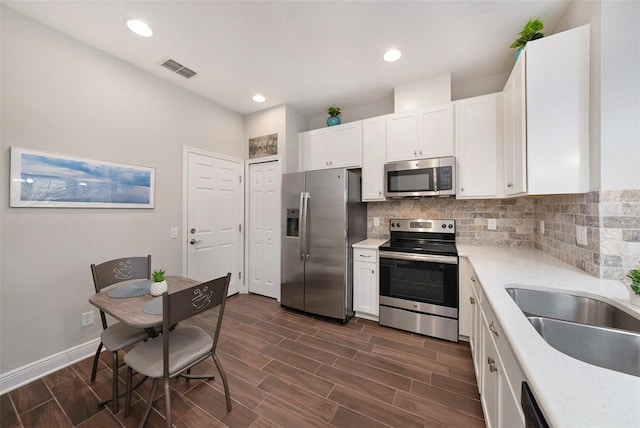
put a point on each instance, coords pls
(435, 179)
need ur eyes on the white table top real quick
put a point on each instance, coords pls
(571, 393)
(370, 243)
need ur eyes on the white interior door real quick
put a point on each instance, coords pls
(214, 219)
(264, 229)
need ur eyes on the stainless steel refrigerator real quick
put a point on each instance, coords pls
(322, 215)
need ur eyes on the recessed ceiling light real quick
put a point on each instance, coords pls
(139, 27)
(392, 55)
(258, 98)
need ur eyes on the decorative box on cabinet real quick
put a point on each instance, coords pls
(374, 150)
(366, 289)
(337, 146)
(426, 133)
(546, 116)
(478, 138)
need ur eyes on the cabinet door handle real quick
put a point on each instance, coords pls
(362, 255)
(473, 279)
(510, 185)
(493, 329)
(373, 271)
(490, 360)
(472, 300)
(493, 368)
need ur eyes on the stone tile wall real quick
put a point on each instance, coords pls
(561, 214)
(514, 218)
(611, 218)
(620, 232)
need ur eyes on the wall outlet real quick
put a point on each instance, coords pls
(492, 224)
(542, 227)
(173, 233)
(376, 221)
(581, 235)
(87, 319)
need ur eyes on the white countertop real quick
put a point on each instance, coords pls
(370, 243)
(571, 393)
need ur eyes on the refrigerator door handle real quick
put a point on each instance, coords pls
(303, 232)
(305, 227)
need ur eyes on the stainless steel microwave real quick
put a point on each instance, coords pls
(421, 177)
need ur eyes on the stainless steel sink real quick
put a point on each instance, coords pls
(568, 307)
(604, 347)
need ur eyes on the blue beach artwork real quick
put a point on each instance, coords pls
(45, 178)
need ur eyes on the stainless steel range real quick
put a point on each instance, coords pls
(419, 278)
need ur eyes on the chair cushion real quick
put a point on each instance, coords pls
(186, 345)
(120, 335)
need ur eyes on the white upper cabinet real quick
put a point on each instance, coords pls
(478, 123)
(546, 115)
(425, 133)
(333, 147)
(515, 137)
(374, 135)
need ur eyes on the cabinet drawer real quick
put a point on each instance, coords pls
(365, 255)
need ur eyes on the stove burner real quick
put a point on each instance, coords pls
(422, 236)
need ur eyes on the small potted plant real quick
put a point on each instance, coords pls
(634, 276)
(334, 116)
(531, 31)
(159, 284)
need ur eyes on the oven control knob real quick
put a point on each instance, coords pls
(393, 225)
(450, 226)
(444, 226)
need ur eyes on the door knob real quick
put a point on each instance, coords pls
(195, 241)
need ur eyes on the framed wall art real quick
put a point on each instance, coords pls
(266, 145)
(42, 179)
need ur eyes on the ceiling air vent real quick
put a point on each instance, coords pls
(176, 67)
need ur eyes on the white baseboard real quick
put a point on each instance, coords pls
(32, 371)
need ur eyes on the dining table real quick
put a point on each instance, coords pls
(131, 310)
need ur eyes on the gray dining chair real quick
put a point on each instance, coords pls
(174, 353)
(118, 336)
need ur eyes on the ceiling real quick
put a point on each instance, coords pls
(307, 54)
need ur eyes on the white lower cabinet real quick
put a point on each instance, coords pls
(499, 374)
(365, 283)
(464, 299)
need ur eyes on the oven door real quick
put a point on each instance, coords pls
(420, 282)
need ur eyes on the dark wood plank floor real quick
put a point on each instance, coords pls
(285, 369)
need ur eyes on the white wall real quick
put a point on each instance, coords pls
(356, 113)
(62, 96)
(615, 89)
(620, 95)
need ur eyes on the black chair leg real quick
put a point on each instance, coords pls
(95, 362)
(115, 383)
(224, 381)
(127, 401)
(154, 387)
(167, 400)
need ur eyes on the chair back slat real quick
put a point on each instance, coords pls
(196, 300)
(118, 270)
(179, 306)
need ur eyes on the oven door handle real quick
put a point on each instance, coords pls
(450, 260)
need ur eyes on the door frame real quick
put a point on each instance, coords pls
(186, 150)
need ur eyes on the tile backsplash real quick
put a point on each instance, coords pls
(611, 220)
(514, 218)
